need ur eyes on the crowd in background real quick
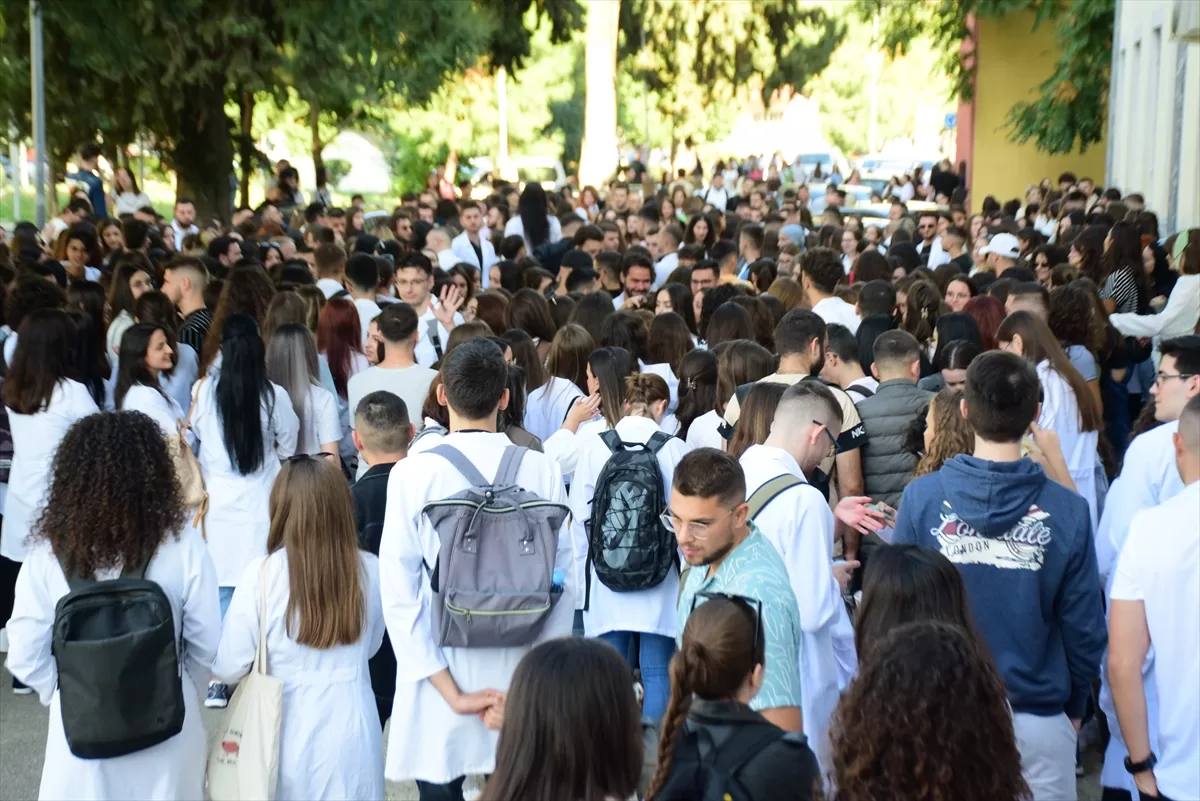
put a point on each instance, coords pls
(921, 493)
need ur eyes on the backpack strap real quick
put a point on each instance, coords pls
(611, 439)
(432, 429)
(431, 328)
(463, 465)
(742, 747)
(769, 492)
(657, 441)
(76, 582)
(860, 390)
(510, 463)
(341, 293)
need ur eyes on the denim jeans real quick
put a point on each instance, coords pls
(651, 653)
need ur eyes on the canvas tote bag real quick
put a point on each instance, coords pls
(244, 762)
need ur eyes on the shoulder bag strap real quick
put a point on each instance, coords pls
(260, 657)
(768, 492)
(187, 422)
(431, 327)
(510, 463)
(742, 747)
(463, 465)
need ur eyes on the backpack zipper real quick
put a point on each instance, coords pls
(469, 613)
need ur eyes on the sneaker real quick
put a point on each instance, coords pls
(20, 689)
(218, 696)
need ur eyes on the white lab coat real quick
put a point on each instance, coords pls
(116, 329)
(461, 247)
(664, 371)
(35, 441)
(428, 741)
(160, 408)
(331, 743)
(425, 353)
(173, 769)
(547, 406)
(799, 524)
(563, 447)
(321, 421)
(704, 431)
(238, 516)
(1177, 318)
(367, 310)
(1060, 411)
(1149, 477)
(664, 267)
(651, 610)
(181, 380)
(515, 227)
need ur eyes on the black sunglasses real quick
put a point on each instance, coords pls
(754, 605)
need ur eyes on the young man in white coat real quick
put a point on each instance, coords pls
(471, 245)
(438, 735)
(1149, 478)
(799, 523)
(438, 317)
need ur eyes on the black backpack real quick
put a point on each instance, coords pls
(702, 772)
(628, 544)
(119, 678)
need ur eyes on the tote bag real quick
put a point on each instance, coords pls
(244, 762)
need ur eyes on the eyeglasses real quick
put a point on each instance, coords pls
(832, 442)
(1163, 377)
(699, 530)
(754, 605)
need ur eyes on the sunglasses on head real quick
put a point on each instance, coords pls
(754, 605)
(303, 457)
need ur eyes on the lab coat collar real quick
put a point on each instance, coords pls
(779, 456)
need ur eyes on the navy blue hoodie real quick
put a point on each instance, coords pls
(1023, 546)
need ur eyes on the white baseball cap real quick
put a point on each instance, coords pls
(1005, 245)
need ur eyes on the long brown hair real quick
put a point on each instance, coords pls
(569, 354)
(757, 414)
(312, 519)
(740, 361)
(246, 290)
(953, 435)
(1039, 344)
(571, 727)
(926, 718)
(670, 341)
(719, 651)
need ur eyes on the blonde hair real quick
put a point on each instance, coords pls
(643, 390)
(952, 434)
(312, 520)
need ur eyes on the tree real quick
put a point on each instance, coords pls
(172, 68)
(698, 61)
(1069, 111)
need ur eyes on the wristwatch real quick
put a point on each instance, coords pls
(1145, 765)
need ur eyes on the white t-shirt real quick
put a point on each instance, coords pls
(835, 310)
(1159, 566)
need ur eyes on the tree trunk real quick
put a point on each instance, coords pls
(246, 145)
(203, 153)
(314, 123)
(599, 157)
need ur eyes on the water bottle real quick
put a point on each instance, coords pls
(556, 582)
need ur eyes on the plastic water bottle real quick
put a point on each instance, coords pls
(556, 581)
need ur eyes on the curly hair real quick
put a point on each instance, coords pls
(114, 495)
(952, 436)
(1071, 315)
(926, 720)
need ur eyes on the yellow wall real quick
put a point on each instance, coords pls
(1013, 61)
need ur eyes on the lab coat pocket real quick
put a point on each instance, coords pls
(493, 620)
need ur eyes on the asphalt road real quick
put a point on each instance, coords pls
(23, 744)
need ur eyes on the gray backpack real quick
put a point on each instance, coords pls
(493, 583)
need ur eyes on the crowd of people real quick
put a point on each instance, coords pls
(726, 500)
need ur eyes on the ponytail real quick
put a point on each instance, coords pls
(642, 390)
(676, 714)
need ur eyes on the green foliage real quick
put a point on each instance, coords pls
(699, 61)
(1070, 110)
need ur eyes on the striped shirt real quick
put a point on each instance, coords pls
(1122, 289)
(195, 329)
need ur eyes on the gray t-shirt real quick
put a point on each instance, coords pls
(410, 384)
(1084, 362)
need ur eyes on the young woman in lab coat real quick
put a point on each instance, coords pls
(145, 354)
(177, 382)
(43, 397)
(114, 501)
(292, 363)
(554, 389)
(323, 622)
(245, 425)
(650, 613)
